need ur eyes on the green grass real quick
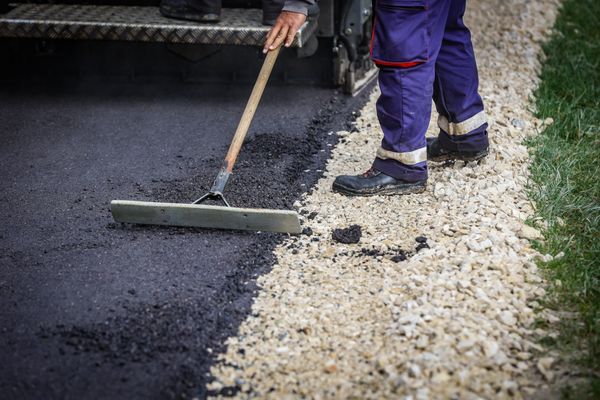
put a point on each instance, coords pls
(566, 180)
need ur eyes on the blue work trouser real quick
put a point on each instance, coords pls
(423, 50)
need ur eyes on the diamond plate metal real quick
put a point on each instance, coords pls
(138, 24)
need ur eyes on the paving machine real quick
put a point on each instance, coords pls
(332, 48)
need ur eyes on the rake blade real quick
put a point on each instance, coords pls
(202, 216)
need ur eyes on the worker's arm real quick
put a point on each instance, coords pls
(287, 24)
(298, 6)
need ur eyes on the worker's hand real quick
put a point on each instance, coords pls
(284, 30)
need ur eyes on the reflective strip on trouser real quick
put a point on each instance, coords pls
(408, 158)
(464, 127)
(404, 107)
(468, 135)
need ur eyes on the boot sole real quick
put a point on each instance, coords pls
(459, 157)
(177, 13)
(417, 188)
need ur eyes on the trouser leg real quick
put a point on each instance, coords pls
(192, 10)
(462, 120)
(404, 109)
(271, 10)
(406, 42)
(212, 6)
(273, 3)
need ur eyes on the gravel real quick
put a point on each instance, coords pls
(454, 319)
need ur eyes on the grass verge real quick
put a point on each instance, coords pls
(566, 180)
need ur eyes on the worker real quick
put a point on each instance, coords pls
(210, 10)
(423, 50)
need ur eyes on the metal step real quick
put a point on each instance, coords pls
(138, 24)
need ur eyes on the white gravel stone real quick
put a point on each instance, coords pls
(544, 365)
(528, 232)
(507, 318)
(453, 321)
(490, 348)
(518, 123)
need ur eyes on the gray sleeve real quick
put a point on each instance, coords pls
(299, 6)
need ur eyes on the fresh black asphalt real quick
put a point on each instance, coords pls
(94, 309)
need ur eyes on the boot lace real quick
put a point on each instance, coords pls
(370, 172)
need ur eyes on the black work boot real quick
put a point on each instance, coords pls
(374, 182)
(435, 152)
(192, 10)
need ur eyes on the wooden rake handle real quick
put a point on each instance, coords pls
(216, 191)
(250, 110)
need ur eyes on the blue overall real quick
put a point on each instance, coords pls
(423, 50)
